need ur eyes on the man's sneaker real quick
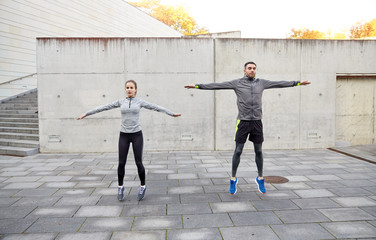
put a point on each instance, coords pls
(121, 193)
(260, 185)
(233, 184)
(141, 194)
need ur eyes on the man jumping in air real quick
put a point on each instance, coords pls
(248, 90)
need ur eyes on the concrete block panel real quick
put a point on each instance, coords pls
(76, 94)
(270, 55)
(71, 135)
(80, 55)
(169, 55)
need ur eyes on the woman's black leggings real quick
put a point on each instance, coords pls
(137, 141)
(258, 158)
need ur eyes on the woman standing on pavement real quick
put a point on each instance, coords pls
(130, 132)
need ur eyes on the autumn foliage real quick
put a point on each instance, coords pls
(366, 30)
(358, 31)
(173, 16)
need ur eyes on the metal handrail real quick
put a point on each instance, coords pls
(18, 78)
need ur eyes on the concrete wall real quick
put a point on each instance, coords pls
(86, 73)
(22, 21)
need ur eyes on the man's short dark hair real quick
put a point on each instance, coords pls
(245, 65)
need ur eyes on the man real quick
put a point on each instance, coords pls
(248, 90)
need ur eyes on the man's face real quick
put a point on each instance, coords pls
(250, 70)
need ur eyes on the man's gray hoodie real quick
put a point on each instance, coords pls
(249, 94)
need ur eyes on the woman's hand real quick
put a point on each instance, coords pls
(176, 115)
(81, 117)
(190, 86)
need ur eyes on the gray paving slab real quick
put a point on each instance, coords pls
(158, 222)
(107, 224)
(354, 201)
(36, 201)
(207, 197)
(18, 225)
(255, 218)
(370, 210)
(39, 192)
(346, 214)
(73, 196)
(84, 236)
(307, 203)
(277, 204)
(6, 202)
(301, 216)
(347, 230)
(30, 236)
(248, 232)
(301, 231)
(66, 211)
(77, 192)
(52, 225)
(132, 210)
(77, 201)
(99, 211)
(227, 207)
(194, 234)
(15, 212)
(140, 235)
(188, 208)
(207, 220)
(312, 193)
(348, 191)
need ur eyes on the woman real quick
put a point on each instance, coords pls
(130, 132)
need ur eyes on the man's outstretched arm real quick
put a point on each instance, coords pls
(213, 86)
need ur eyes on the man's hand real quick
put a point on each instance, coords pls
(305, 83)
(83, 116)
(190, 86)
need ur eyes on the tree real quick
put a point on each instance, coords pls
(306, 34)
(175, 17)
(365, 30)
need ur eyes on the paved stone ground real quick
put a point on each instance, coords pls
(73, 196)
(365, 152)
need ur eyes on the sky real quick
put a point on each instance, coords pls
(276, 18)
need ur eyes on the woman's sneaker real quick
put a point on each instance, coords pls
(141, 194)
(121, 193)
(260, 185)
(233, 184)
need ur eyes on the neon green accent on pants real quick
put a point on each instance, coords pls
(236, 130)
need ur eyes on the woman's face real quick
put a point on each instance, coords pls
(130, 89)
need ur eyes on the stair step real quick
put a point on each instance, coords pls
(23, 100)
(17, 111)
(18, 151)
(19, 143)
(19, 130)
(24, 120)
(23, 136)
(2, 115)
(19, 124)
(11, 106)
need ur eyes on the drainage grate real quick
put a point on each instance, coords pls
(275, 179)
